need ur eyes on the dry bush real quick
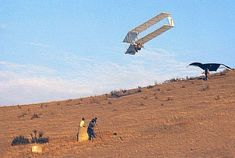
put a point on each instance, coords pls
(173, 80)
(150, 86)
(37, 137)
(18, 140)
(121, 93)
(34, 116)
(169, 99)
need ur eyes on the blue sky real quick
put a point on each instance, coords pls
(54, 50)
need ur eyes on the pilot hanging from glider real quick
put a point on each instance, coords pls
(135, 43)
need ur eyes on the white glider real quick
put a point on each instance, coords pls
(135, 43)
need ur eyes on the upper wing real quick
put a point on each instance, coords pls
(150, 22)
(153, 34)
(131, 36)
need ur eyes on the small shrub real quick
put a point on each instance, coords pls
(114, 94)
(169, 99)
(149, 87)
(34, 116)
(19, 140)
(38, 139)
(124, 91)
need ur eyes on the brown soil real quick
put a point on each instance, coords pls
(189, 118)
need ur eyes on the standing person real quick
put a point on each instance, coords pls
(82, 123)
(90, 129)
(206, 74)
(81, 129)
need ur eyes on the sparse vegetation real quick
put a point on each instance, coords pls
(19, 140)
(174, 80)
(169, 99)
(34, 116)
(121, 93)
(150, 86)
(38, 138)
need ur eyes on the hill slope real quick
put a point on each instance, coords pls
(190, 118)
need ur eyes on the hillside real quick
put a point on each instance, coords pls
(188, 118)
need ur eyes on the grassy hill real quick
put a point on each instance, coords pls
(180, 118)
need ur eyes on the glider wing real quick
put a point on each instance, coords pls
(153, 34)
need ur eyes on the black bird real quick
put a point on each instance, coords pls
(208, 67)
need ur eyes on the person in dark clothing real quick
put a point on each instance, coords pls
(94, 120)
(90, 129)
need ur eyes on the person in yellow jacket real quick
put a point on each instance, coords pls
(82, 134)
(82, 123)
